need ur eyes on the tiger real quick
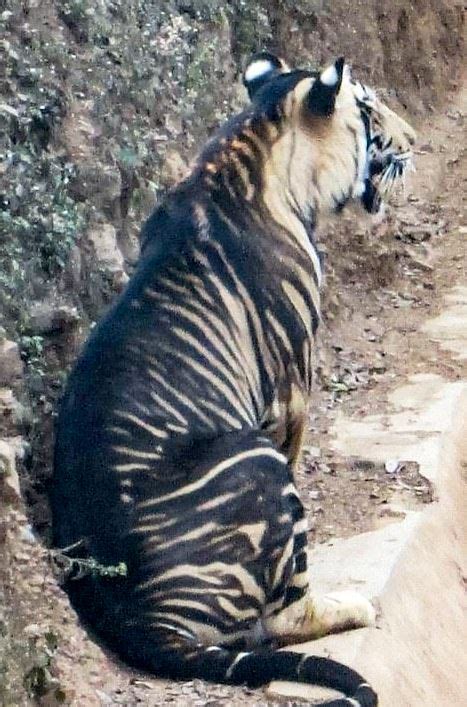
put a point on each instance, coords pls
(181, 425)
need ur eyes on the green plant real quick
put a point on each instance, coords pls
(38, 680)
(75, 568)
(32, 350)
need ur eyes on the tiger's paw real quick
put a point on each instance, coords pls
(339, 611)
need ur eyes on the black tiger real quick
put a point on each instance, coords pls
(183, 419)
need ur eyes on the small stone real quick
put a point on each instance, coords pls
(104, 697)
(73, 268)
(33, 631)
(98, 183)
(174, 168)
(392, 466)
(50, 317)
(103, 238)
(312, 451)
(9, 481)
(5, 108)
(11, 365)
(377, 370)
(27, 534)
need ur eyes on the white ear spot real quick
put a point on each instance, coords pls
(329, 76)
(257, 69)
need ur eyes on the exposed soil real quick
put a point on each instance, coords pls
(375, 302)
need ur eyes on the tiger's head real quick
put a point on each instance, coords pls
(331, 139)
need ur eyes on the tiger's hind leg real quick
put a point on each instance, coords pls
(304, 615)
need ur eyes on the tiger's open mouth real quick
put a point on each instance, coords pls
(384, 174)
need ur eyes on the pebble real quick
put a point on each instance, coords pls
(392, 466)
(27, 534)
(312, 451)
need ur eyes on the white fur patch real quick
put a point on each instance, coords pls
(239, 657)
(329, 76)
(258, 68)
(363, 165)
(358, 189)
(316, 264)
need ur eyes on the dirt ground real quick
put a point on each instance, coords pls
(376, 340)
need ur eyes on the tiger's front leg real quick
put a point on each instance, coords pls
(303, 614)
(316, 615)
(297, 438)
(288, 423)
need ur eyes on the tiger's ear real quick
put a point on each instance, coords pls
(322, 96)
(261, 68)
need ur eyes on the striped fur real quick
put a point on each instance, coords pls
(183, 419)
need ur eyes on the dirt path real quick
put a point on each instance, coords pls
(377, 341)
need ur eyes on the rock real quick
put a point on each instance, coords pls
(33, 631)
(73, 269)
(27, 534)
(311, 451)
(50, 317)
(419, 233)
(10, 411)
(120, 280)
(11, 365)
(174, 168)
(9, 481)
(421, 255)
(99, 184)
(103, 238)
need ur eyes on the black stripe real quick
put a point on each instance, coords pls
(301, 562)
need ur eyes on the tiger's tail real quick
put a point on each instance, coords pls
(187, 660)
